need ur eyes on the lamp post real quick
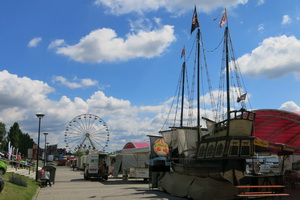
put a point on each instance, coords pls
(40, 116)
(45, 152)
(47, 145)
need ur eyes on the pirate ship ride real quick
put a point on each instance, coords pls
(220, 150)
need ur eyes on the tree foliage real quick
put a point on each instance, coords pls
(27, 143)
(78, 153)
(2, 131)
(20, 140)
(2, 136)
(14, 135)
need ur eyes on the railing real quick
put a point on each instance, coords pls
(17, 165)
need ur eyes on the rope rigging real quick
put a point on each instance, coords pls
(237, 88)
(217, 108)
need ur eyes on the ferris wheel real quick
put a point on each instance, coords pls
(86, 132)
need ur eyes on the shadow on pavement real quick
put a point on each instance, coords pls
(120, 182)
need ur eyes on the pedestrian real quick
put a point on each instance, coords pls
(73, 164)
(19, 158)
(46, 178)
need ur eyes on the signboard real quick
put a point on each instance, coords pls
(158, 146)
(29, 153)
(261, 143)
(139, 172)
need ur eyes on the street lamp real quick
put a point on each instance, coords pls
(40, 116)
(45, 154)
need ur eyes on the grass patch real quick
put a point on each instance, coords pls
(12, 191)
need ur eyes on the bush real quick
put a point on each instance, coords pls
(17, 180)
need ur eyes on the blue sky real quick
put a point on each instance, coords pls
(120, 60)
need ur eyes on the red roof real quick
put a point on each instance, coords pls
(131, 145)
(278, 126)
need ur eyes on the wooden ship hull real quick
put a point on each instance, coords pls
(221, 153)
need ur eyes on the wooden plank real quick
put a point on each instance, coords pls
(266, 192)
(260, 186)
(262, 195)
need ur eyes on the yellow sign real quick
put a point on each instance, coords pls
(261, 143)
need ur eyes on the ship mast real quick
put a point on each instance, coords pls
(195, 24)
(198, 84)
(227, 79)
(182, 93)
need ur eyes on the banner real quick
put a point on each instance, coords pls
(159, 150)
(158, 147)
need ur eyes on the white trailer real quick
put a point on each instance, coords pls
(132, 163)
(81, 161)
(96, 166)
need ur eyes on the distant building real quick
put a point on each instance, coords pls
(51, 150)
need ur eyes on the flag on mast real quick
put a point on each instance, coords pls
(242, 97)
(224, 19)
(195, 22)
(182, 52)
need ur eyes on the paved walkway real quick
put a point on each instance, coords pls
(70, 184)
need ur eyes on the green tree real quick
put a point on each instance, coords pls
(3, 140)
(2, 131)
(14, 135)
(20, 140)
(27, 143)
(78, 153)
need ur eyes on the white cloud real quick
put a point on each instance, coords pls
(21, 97)
(142, 24)
(261, 28)
(286, 20)
(77, 83)
(103, 45)
(273, 58)
(290, 106)
(57, 43)
(34, 42)
(13, 87)
(260, 2)
(178, 7)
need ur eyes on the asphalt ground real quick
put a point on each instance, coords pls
(71, 185)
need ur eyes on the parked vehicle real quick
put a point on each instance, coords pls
(3, 168)
(62, 161)
(96, 166)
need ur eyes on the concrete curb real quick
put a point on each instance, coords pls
(36, 194)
